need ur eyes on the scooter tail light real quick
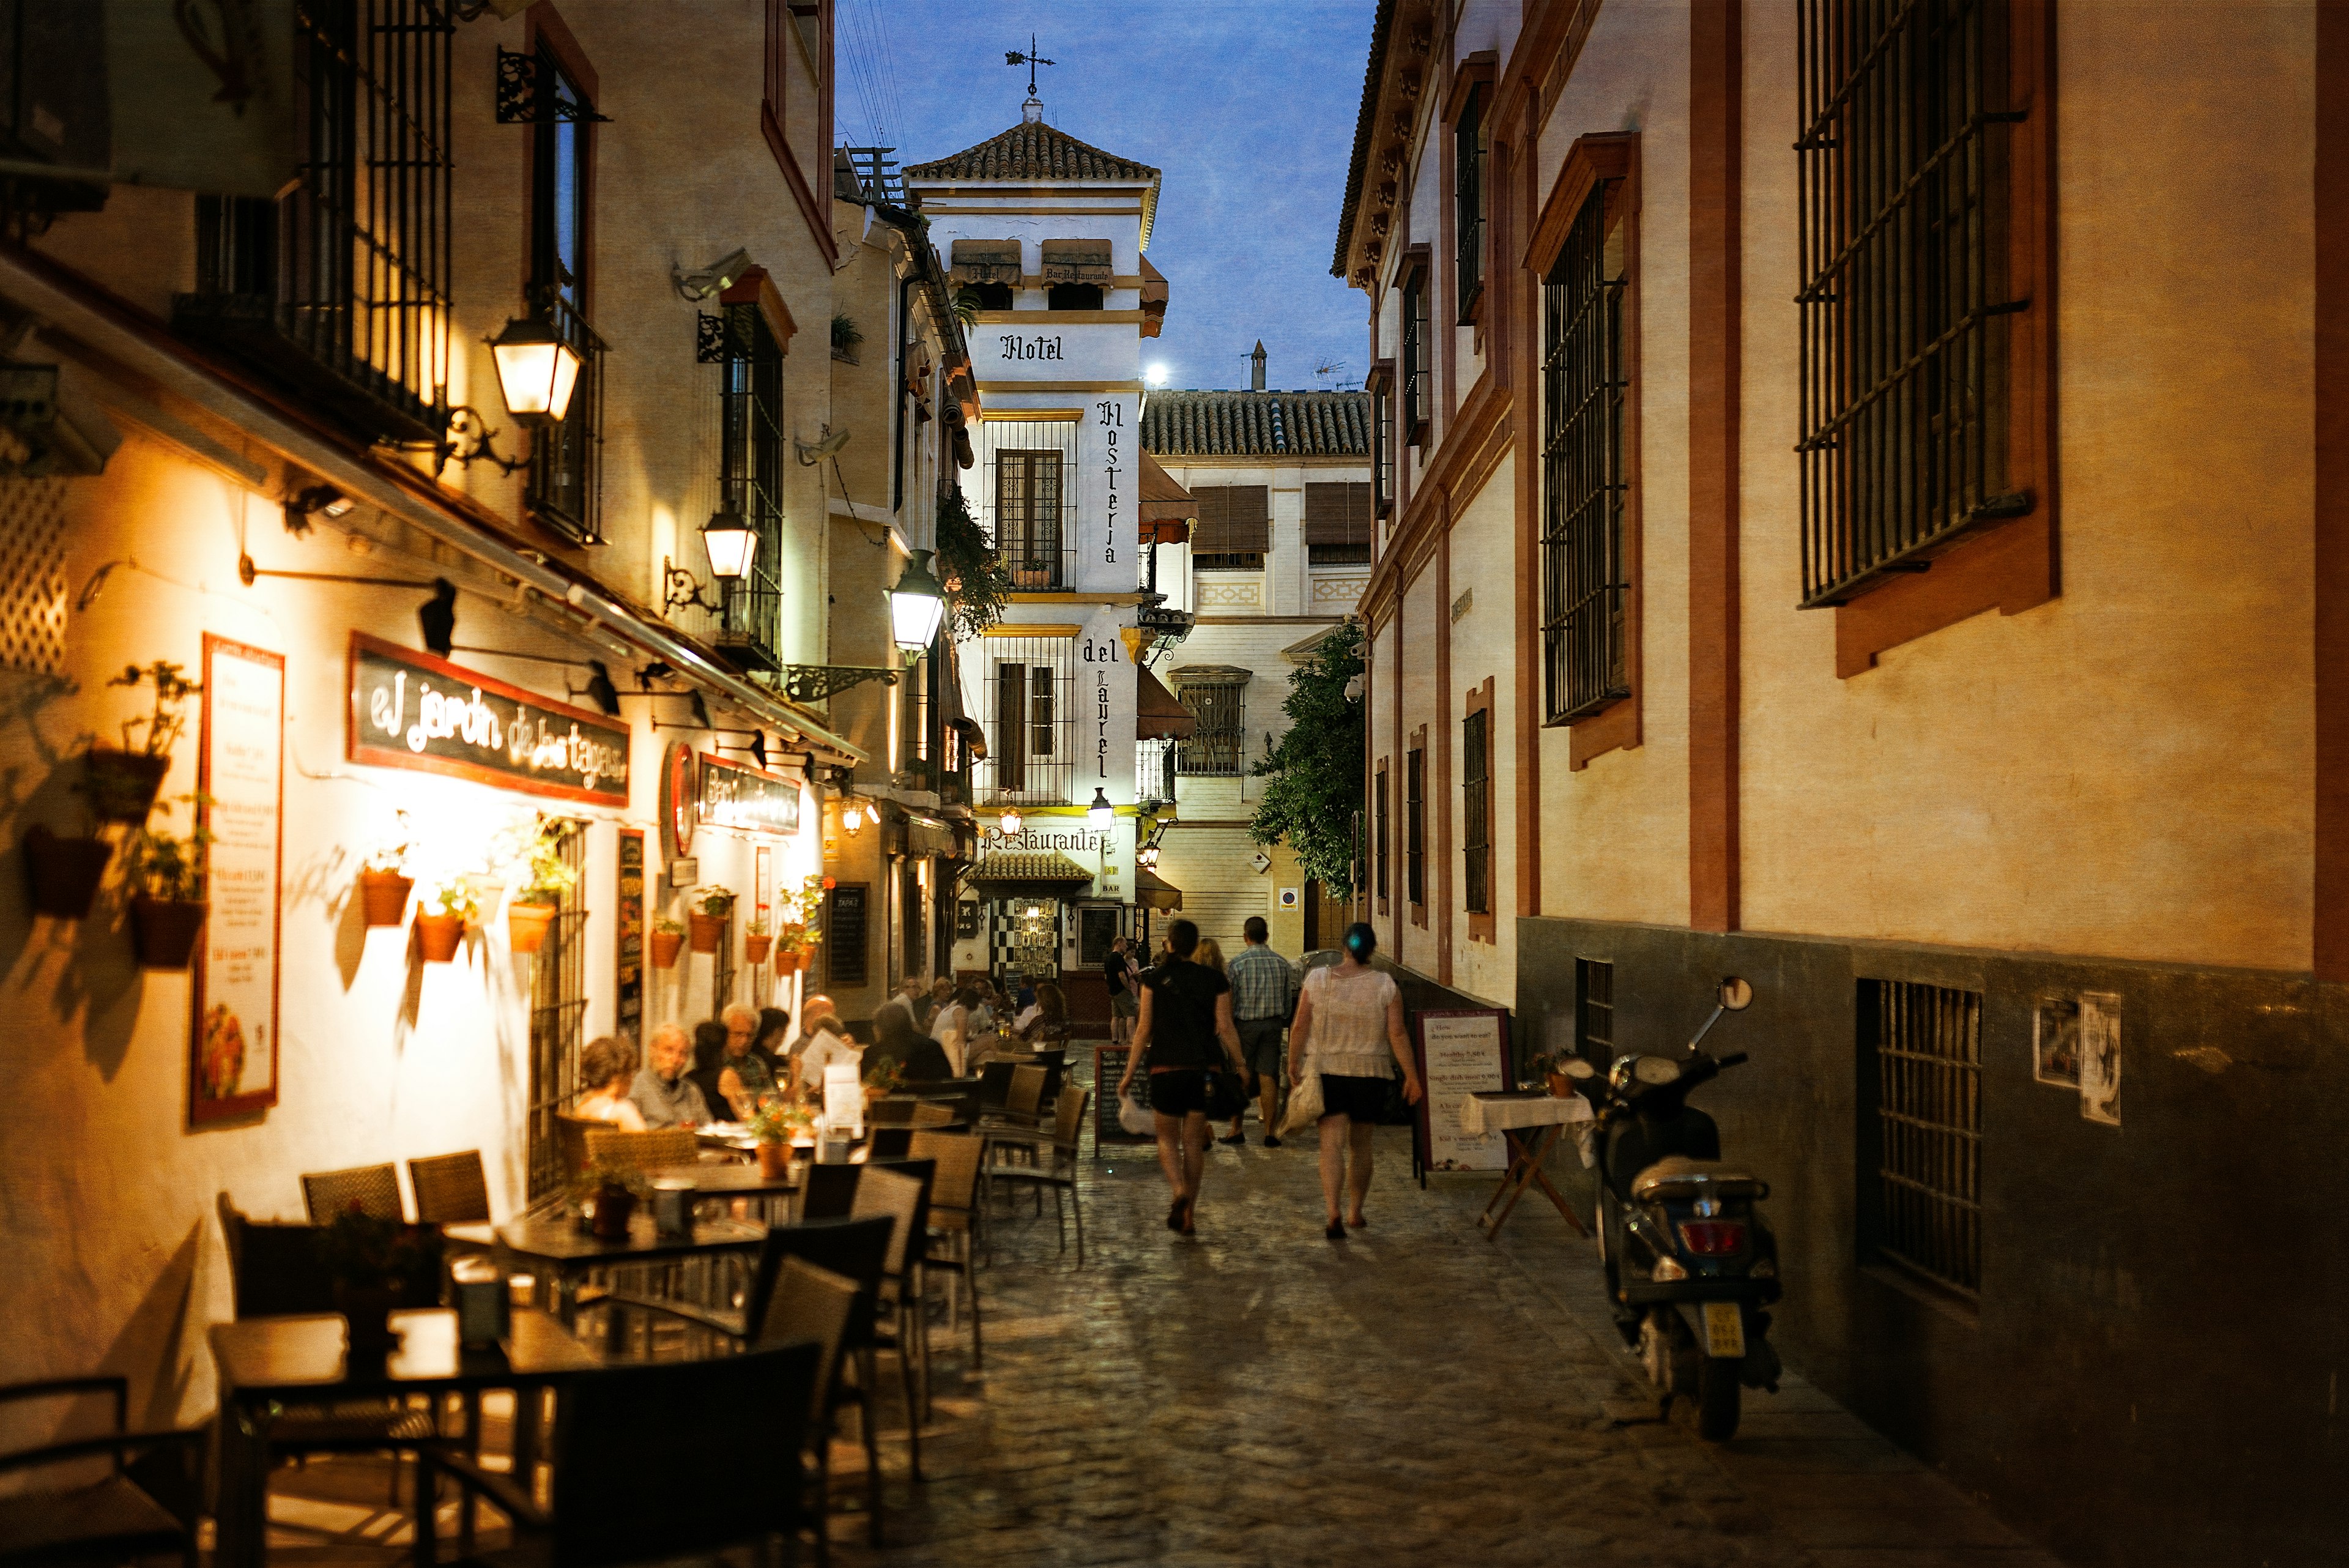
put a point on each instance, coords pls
(1712, 1237)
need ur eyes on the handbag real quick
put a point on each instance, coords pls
(1226, 1095)
(1304, 1102)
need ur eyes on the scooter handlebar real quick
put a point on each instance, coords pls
(1737, 1060)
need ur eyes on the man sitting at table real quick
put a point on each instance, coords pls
(922, 1059)
(828, 1041)
(744, 1076)
(662, 1091)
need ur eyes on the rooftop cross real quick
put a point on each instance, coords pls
(1033, 109)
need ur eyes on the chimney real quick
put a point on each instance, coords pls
(1255, 368)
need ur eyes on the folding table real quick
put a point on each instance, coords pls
(1532, 1123)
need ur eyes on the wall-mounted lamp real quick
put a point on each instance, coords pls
(713, 279)
(1012, 822)
(317, 501)
(756, 746)
(731, 542)
(438, 617)
(536, 370)
(1101, 814)
(917, 603)
(680, 589)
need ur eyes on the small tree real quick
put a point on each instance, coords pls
(1314, 795)
(972, 573)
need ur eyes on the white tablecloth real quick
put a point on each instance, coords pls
(1499, 1113)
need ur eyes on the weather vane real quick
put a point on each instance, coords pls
(1031, 59)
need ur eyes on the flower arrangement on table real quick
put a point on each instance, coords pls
(376, 1264)
(882, 1079)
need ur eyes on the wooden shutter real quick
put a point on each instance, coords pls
(1010, 740)
(1233, 518)
(1337, 513)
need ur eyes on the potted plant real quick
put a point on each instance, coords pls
(756, 940)
(668, 937)
(776, 1125)
(710, 906)
(63, 873)
(799, 931)
(376, 1265)
(167, 898)
(122, 783)
(882, 1080)
(384, 881)
(1549, 1067)
(549, 877)
(611, 1191)
(447, 907)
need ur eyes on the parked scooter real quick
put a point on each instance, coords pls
(1690, 1264)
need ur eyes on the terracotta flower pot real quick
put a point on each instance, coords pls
(367, 1310)
(1561, 1086)
(526, 926)
(754, 948)
(383, 897)
(787, 963)
(614, 1205)
(64, 872)
(122, 785)
(666, 945)
(775, 1160)
(706, 930)
(439, 936)
(163, 932)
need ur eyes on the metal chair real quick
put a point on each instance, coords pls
(1059, 1175)
(954, 1218)
(642, 1151)
(373, 1190)
(718, 1432)
(146, 1504)
(450, 1189)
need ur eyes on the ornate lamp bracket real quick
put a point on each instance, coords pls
(814, 682)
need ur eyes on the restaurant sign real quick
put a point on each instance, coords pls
(746, 799)
(410, 710)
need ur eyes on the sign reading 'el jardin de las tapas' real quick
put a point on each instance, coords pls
(410, 710)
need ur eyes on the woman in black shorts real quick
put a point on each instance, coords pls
(1184, 1031)
(1349, 1016)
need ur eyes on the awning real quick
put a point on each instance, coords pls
(1153, 299)
(1167, 509)
(974, 735)
(1152, 891)
(987, 260)
(1077, 261)
(1046, 874)
(1159, 715)
(929, 835)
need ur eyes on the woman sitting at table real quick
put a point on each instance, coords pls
(607, 1067)
(709, 1065)
(896, 1040)
(952, 1027)
(1045, 1026)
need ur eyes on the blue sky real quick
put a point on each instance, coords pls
(1247, 106)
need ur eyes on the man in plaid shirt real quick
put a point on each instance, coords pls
(1264, 990)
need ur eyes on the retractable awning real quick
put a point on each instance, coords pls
(1167, 509)
(1159, 715)
(1152, 891)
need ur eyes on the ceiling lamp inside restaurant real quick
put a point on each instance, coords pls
(731, 543)
(536, 369)
(916, 605)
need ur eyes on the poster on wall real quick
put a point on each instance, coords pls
(1460, 1052)
(2055, 1041)
(241, 786)
(2100, 1057)
(629, 1016)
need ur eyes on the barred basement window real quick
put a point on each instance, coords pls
(565, 492)
(1584, 585)
(1921, 1093)
(1476, 811)
(1415, 826)
(1380, 848)
(1904, 179)
(1219, 746)
(1594, 1012)
(1471, 144)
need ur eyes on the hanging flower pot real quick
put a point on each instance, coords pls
(163, 932)
(665, 948)
(383, 896)
(64, 872)
(439, 936)
(122, 785)
(787, 963)
(707, 930)
(526, 926)
(754, 948)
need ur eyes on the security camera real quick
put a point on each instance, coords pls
(714, 279)
(814, 452)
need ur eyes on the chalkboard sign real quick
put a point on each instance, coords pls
(1109, 1065)
(844, 936)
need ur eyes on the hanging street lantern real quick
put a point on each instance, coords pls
(1101, 814)
(731, 542)
(1012, 822)
(536, 370)
(916, 605)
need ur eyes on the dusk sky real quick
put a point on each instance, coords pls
(1247, 107)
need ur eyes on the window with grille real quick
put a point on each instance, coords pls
(1415, 826)
(1218, 745)
(558, 1005)
(1030, 722)
(1337, 524)
(1380, 384)
(1413, 370)
(1154, 769)
(565, 488)
(339, 287)
(1594, 1012)
(1584, 585)
(1027, 505)
(1476, 811)
(1379, 831)
(1904, 177)
(1921, 1097)
(748, 627)
(1471, 143)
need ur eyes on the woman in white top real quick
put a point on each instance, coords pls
(1350, 1017)
(607, 1067)
(951, 1027)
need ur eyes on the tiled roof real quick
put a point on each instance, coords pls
(1035, 151)
(1359, 163)
(1257, 424)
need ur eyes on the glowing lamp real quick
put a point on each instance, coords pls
(916, 605)
(731, 543)
(536, 370)
(1101, 814)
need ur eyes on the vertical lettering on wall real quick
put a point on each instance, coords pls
(1100, 655)
(1113, 419)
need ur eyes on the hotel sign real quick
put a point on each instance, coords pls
(410, 710)
(746, 799)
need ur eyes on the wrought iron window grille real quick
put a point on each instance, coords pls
(1218, 744)
(527, 94)
(1585, 384)
(1469, 148)
(1415, 826)
(1921, 1071)
(1476, 813)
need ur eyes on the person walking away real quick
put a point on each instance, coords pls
(1184, 1032)
(664, 1095)
(1263, 990)
(1349, 1019)
(1119, 970)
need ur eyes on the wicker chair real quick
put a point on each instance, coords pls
(450, 1189)
(642, 1151)
(1047, 1162)
(811, 1302)
(953, 1217)
(146, 1505)
(901, 1193)
(375, 1189)
(1023, 1102)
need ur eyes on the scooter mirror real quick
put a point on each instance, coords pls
(1735, 994)
(1656, 1070)
(1576, 1067)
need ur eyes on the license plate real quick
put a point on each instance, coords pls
(1724, 1329)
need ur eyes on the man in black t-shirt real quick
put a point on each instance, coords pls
(1118, 970)
(1184, 1033)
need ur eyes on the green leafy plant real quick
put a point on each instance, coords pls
(798, 927)
(390, 852)
(547, 874)
(884, 1076)
(453, 895)
(668, 926)
(966, 306)
(779, 1119)
(603, 1176)
(713, 901)
(758, 925)
(169, 866)
(367, 1252)
(162, 727)
(1314, 796)
(976, 579)
(845, 335)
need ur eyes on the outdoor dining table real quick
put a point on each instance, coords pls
(1532, 1123)
(266, 1364)
(732, 1181)
(561, 1254)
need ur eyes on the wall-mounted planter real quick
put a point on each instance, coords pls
(786, 964)
(163, 932)
(666, 947)
(122, 785)
(707, 930)
(439, 936)
(63, 873)
(383, 897)
(754, 948)
(526, 926)
(486, 891)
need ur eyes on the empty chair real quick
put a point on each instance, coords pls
(571, 1142)
(1021, 1104)
(995, 1086)
(829, 1192)
(891, 1143)
(926, 1114)
(1048, 1162)
(811, 1303)
(890, 1113)
(642, 1151)
(727, 1434)
(901, 1193)
(373, 1190)
(953, 1217)
(145, 1505)
(450, 1189)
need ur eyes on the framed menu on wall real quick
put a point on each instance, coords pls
(241, 788)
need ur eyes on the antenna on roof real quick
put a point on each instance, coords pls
(1033, 109)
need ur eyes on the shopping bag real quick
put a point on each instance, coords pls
(1135, 1116)
(1304, 1113)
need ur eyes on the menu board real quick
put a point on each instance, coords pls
(1460, 1052)
(240, 780)
(410, 710)
(843, 935)
(1108, 1061)
(628, 1014)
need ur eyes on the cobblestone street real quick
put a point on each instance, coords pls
(1415, 1395)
